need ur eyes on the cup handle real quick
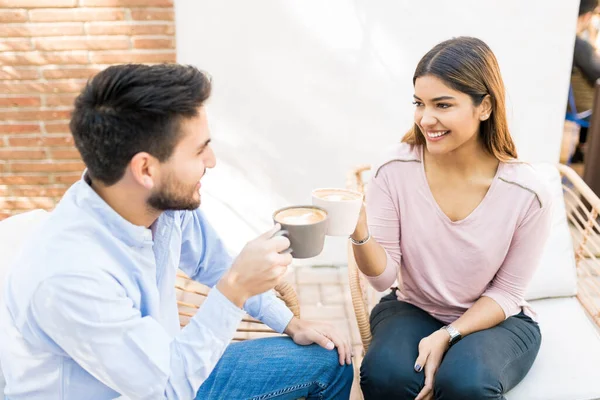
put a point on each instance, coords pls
(283, 233)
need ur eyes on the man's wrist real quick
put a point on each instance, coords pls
(229, 287)
(292, 327)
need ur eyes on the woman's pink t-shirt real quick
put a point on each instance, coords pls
(444, 267)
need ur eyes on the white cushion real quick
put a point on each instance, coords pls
(556, 275)
(13, 233)
(568, 362)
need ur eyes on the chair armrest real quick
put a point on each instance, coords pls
(358, 286)
(285, 291)
(360, 301)
(583, 208)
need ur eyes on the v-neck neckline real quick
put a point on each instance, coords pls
(441, 212)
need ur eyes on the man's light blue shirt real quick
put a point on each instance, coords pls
(90, 312)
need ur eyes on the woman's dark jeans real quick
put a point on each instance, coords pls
(483, 365)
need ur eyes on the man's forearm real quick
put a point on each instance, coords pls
(270, 310)
(587, 59)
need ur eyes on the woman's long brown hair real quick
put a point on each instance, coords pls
(468, 65)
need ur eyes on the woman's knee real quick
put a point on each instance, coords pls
(382, 378)
(462, 384)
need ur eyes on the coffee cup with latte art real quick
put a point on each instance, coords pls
(342, 206)
(305, 226)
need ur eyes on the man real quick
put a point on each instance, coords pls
(90, 309)
(586, 70)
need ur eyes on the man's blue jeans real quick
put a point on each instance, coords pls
(277, 368)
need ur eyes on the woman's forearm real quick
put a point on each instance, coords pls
(370, 257)
(485, 313)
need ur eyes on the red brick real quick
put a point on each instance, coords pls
(114, 57)
(57, 127)
(77, 14)
(157, 14)
(11, 154)
(59, 140)
(20, 128)
(126, 3)
(15, 45)
(66, 154)
(20, 101)
(24, 179)
(4, 191)
(58, 100)
(38, 141)
(130, 28)
(67, 178)
(43, 29)
(93, 43)
(5, 214)
(26, 203)
(34, 115)
(13, 15)
(38, 191)
(43, 58)
(21, 87)
(37, 3)
(153, 43)
(72, 73)
(12, 73)
(47, 166)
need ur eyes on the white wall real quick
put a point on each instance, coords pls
(305, 89)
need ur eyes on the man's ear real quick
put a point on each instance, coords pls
(144, 169)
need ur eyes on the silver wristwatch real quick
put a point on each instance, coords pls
(455, 335)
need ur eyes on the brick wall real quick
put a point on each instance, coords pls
(48, 49)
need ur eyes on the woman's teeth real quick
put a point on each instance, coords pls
(436, 134)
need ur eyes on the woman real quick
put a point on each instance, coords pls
(460, 223)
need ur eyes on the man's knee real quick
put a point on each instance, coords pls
(463, 384)
(326, 367)
(382, 377)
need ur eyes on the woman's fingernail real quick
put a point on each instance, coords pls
(418, 368)
(330, 345)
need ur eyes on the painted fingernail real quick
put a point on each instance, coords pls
(418, 368)
(330, 346)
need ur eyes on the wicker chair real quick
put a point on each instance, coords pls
(191, 295)
(583, 209)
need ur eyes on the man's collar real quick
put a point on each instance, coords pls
(132, 235)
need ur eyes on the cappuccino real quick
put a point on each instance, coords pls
(300, 216)
(336, 195)
(342, 207)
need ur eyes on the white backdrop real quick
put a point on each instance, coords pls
(305, 89)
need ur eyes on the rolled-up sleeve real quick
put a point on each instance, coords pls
(205, 259)
(510, 283)
(91, 318)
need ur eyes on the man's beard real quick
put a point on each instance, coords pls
(173, 196)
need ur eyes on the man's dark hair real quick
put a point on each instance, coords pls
(586, 6)
(127, 109)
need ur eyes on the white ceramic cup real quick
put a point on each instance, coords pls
(342, 206)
